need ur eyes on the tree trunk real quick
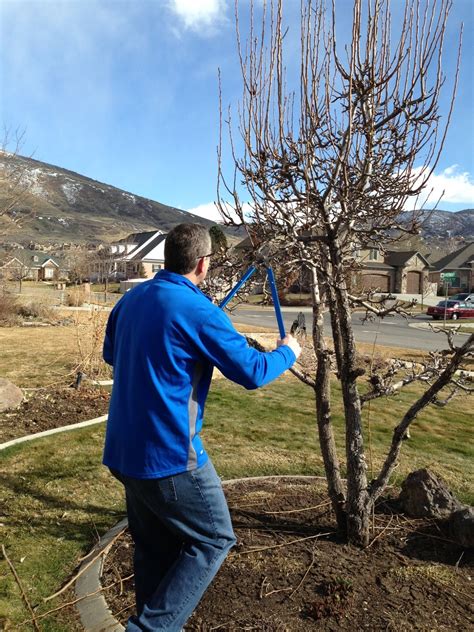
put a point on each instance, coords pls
(322, 393)
(358, 500)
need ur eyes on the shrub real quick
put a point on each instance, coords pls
(9, 310)
(36, 309)
(76, 298)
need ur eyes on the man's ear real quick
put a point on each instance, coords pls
(200, 266)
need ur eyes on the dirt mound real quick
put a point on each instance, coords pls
(51, 408)
(291, 573)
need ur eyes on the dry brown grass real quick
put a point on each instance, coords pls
(39, 356)
(42, 356)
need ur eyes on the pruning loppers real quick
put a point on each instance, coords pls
(262, 258)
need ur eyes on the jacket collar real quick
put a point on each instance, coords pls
(178, 279)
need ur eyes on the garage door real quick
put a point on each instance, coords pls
(414, 283)
(376, 281)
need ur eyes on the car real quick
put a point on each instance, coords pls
(465, 297)
(451, 309)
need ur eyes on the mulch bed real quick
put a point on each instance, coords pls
(53, 408)
(412, 577)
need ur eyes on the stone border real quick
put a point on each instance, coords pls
(52, 431)
(93, 609)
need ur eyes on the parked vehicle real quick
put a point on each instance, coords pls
(465, 297)
(453, 310)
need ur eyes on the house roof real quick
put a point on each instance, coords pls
(148, 248)
(400, 257)
(137, 238)
(460, 258)
(27, 258)
(377, 265)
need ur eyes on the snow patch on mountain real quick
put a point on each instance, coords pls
(71, 190)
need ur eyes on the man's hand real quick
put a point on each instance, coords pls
(291, 342)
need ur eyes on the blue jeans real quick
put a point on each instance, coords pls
(182, 532)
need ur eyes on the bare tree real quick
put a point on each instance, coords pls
(329, 160)
(14, 183)
(20, 270)
(79, 264)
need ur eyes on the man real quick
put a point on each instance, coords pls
(163, 339)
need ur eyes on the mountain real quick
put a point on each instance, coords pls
(61, 206)
(439, 224)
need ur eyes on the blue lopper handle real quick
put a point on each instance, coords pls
(276, 302)
(237, 287)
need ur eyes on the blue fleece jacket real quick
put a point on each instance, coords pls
(163, 339)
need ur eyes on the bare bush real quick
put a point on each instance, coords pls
(90, 332)
(76, 298)
(9, 316)
(37, 310)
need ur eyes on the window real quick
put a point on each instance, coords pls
(155, 267)
(373, 254)
(48, 273)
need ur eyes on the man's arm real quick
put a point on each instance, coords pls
(230, 353)
(108, 348)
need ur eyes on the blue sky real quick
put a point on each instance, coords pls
(126, 92)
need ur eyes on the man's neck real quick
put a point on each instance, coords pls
(193, 278)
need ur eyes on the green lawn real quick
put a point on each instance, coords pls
(56, 497)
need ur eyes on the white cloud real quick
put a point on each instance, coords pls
(208, 211)
(457, 185)
(199, 14)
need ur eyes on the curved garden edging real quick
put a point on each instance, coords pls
(93, 609)
(52, 431)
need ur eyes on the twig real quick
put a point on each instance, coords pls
(74, 601)
(116, 614)
(20, 586)
(86, 566)
(379, 535)
(277, 546)
(456, 566)
(304, 576)
(278, 590)
(290, 511)
(435, 537)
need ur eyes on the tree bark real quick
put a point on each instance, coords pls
(322, 392)
(358, 500)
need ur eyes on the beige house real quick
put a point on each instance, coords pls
(398, 272)
(461, 264)
(32, 265)
(140, 254)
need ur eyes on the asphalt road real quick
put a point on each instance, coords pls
(392, 331)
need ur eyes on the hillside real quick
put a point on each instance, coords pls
(441, 224)
(63, 206)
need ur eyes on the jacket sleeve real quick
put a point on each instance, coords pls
(108, 348)
(229, 351)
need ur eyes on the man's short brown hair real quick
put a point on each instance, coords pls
(184, 245)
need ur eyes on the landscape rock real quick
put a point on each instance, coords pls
(461, 526)
(424, 495)
(10, 395)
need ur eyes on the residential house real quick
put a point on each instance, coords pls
(30, 264)
(461, 263)
(395, 271)
(140, 254)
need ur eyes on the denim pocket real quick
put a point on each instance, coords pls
(168, 489)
